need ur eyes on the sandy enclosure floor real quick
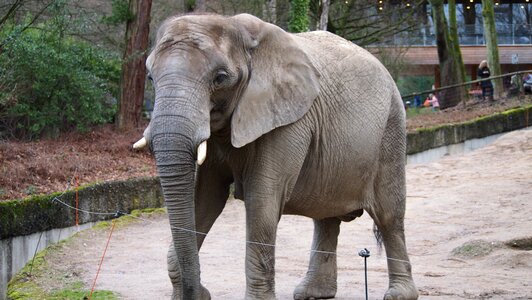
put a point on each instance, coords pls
(470, 203)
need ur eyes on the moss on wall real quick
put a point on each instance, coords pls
(39, 213)
(427, 138)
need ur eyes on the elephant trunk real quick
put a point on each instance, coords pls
(175, 137)
(176, 167)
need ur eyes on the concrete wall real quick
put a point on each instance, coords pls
(17, 251)
(434, 137)
(453, 149)
(24, 222)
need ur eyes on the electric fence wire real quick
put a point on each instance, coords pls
(119, 213)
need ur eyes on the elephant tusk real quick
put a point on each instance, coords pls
(140, 143)
(202, 152)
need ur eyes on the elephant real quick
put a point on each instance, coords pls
(307, 124)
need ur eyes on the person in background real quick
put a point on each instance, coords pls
(434, 102)
(483, 72)
(417, 101)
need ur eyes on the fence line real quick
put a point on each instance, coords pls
(465, 84)
(120, 213)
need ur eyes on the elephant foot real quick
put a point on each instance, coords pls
(204, 294)
(268, 296)
(406, 291)
(316, 288)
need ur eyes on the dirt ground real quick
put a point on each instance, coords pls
(462, 213)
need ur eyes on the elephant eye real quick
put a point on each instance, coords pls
(220, 78)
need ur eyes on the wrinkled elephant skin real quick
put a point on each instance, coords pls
(306, 124)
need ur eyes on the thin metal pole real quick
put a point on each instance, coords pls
(366, 275)
(365, 253)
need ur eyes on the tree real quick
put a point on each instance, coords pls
(269, 11)
(369, 22)
(133, 67)
(200, 6)
(490, 34)
(457, 53)
(449, 65)
(299, 21)
(324, 16)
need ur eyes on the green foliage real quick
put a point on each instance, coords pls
(50, 82)
(120, 13)
(414, 84)
(299, 21)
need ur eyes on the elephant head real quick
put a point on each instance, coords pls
(236, 77)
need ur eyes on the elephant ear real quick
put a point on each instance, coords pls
(282, 86)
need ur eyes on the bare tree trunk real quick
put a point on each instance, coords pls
(200, 6)
(490, 34)
(457, 54)
(324, 18)
(449, 70)
(181, 6)
(133, 67)
(269, 11)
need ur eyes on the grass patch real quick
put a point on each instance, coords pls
(29, 283)
(82, 294)
(26, 283)
(476, 248)
(418, 111)
(134, 216)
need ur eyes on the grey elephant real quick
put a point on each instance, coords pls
(307, 124)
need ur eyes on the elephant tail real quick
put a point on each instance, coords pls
(378, 236)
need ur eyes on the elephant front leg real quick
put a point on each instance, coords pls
(320, 281)
(262, 220)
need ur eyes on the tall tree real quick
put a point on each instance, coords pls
(200, 6)
(367, 22)
(269, 11)
(324, 16)
(449, 69)
(299, 21)
(490, 34)
(457, 53)
(133, 67)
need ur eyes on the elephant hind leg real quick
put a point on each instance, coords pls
(320, 281)
(388, 209)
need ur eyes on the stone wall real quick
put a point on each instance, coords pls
(41, 213)
(434, 137)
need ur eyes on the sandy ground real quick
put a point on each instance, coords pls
(471, 203)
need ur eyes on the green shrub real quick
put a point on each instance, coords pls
(299, 21)
(51, 83)
(414, 84)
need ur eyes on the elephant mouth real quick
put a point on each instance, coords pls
(218, 114)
